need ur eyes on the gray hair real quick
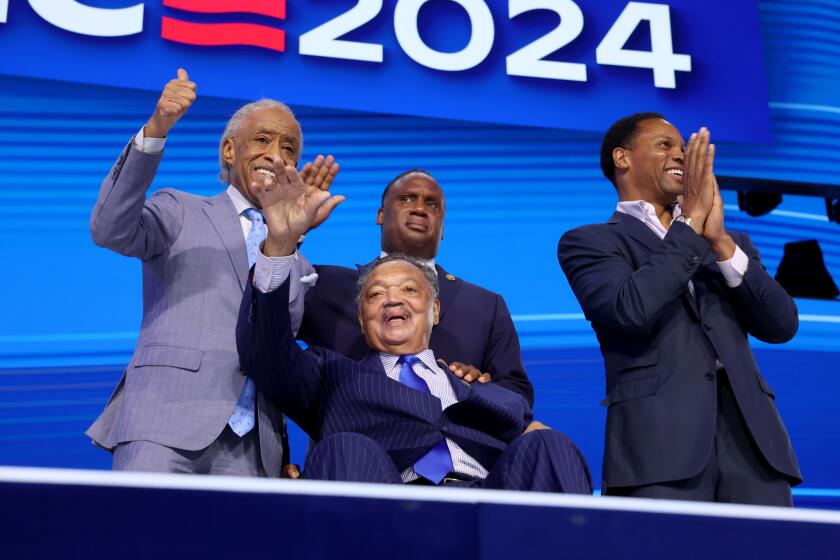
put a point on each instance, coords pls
(431, 276)
(236, 120)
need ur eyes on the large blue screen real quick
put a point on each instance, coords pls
(70, 311)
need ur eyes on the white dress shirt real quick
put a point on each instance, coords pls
(148, 145)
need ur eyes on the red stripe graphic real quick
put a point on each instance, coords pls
(218, 34)
(271, 8)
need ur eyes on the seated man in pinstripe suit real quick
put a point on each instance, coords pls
(396, 416)
(475, 324)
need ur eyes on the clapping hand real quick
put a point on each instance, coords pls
(714, 232)
(290, 207)
(320, 174)
(701, 200)
(699, 180)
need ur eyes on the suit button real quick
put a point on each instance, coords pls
(710, 376)
(706, 327)
(695, 259)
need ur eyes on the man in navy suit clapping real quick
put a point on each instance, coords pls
(672, 295)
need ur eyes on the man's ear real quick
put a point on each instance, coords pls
(436, 318)
(380, 216)
(228, 151)
(621, 159)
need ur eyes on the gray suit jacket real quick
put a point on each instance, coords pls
(184, 378)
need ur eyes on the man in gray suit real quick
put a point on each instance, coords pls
(183, 405)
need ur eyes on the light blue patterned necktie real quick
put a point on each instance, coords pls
(243, 419)
(437, 463)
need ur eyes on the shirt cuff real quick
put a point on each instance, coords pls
(733, 269)
(271, 272)
(148, 145)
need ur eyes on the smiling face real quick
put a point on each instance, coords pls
(398, 309)
(263, 137)
(412, 217)
(651, 167)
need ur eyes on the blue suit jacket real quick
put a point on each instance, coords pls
(660, 344)
(325, 392)
(475, 326)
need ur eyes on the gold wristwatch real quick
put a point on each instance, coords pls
(689, 222)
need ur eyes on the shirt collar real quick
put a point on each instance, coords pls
(427, 357)
(644, 210)
(428, 263)
(239, 201)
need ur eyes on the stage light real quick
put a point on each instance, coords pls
(802, 272)
(758, 203)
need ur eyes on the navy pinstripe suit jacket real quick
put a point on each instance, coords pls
(325, 392)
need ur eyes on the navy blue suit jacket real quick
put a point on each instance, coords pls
(660, 344)
(325, 392)
(475, 326)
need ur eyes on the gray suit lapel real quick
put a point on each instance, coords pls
(222, 215)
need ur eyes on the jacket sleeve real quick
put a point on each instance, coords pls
(309, 327)
(268, 353)
(763, 306)
(123, 220)
(503, 356)
(612, 293)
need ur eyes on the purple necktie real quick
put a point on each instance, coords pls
(437, 463)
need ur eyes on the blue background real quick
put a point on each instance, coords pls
(69, 312)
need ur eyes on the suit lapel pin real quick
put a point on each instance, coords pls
(450, 277)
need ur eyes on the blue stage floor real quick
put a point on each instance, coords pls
(51, 513)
